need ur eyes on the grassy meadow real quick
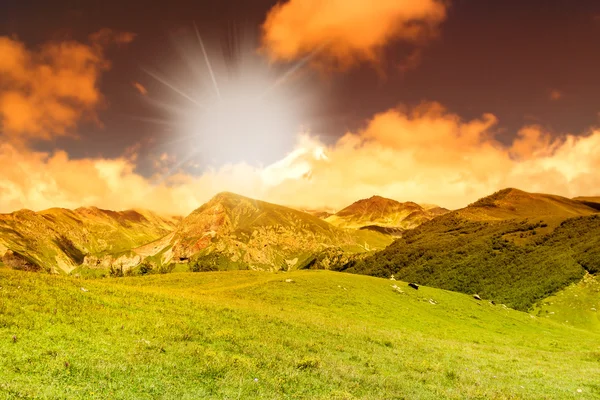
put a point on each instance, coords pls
(246, 335)
(576, 305)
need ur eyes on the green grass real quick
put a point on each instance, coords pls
(577, 305)
(245, 334)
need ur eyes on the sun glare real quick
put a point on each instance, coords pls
(235, 106)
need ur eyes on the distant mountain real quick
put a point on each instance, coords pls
(59, 240)
(513, 203)
(593, 202)
(513, 247)
(319, 213)
(236, 232)
(383, 215)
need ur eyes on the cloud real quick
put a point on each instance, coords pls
(428, 154)
(46, 92)
(347, 31)
(140, 88)
(105, 37)
(555, 95)
(39, 180)
(425, 154)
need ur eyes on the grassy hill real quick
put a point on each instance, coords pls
(593, 202)
(516, 204)
(577, 305)
(236, 232)
(378, 213)
(516, 261)
(245, 334)
(59, 240)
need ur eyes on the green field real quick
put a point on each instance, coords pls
(577, 305)
(244, 334)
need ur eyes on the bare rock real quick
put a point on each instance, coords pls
(17, 261)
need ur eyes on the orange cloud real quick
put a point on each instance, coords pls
(425, 154)
(46, 92)
(37, 180)
(140, 88)
(104, 37)
(347, 31)
(430, 155)
(555, 94)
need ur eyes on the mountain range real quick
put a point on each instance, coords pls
(236, 232)
(512, 246)
(60, 240)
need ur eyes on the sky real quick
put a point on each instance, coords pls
(308, 103)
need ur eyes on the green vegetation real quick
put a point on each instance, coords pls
(513, 262)
(304, 334)
(577, 305)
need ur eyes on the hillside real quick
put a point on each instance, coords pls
(59, 240)
(236, 232)
(593, 202)
(577, 305)
(513, 203)
(516, 261)
(298, 335)
(378, 212)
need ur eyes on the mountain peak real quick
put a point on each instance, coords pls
(377, 204)
(515, 203)
(228, 197)
(380, 212)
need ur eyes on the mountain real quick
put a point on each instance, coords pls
(383, 215)
(236, 232)
(514, 247)
(59, 240)
(513, 203)
(319, 213)
(593, 202)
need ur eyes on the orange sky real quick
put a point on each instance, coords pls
(423, 153)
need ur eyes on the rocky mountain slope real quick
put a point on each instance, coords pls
(384, 215)
(236, 232)
(59, 240)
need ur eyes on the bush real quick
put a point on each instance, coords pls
(308, 363)
(145, 268)
(116, 271)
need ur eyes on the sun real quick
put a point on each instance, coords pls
(235, 107)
